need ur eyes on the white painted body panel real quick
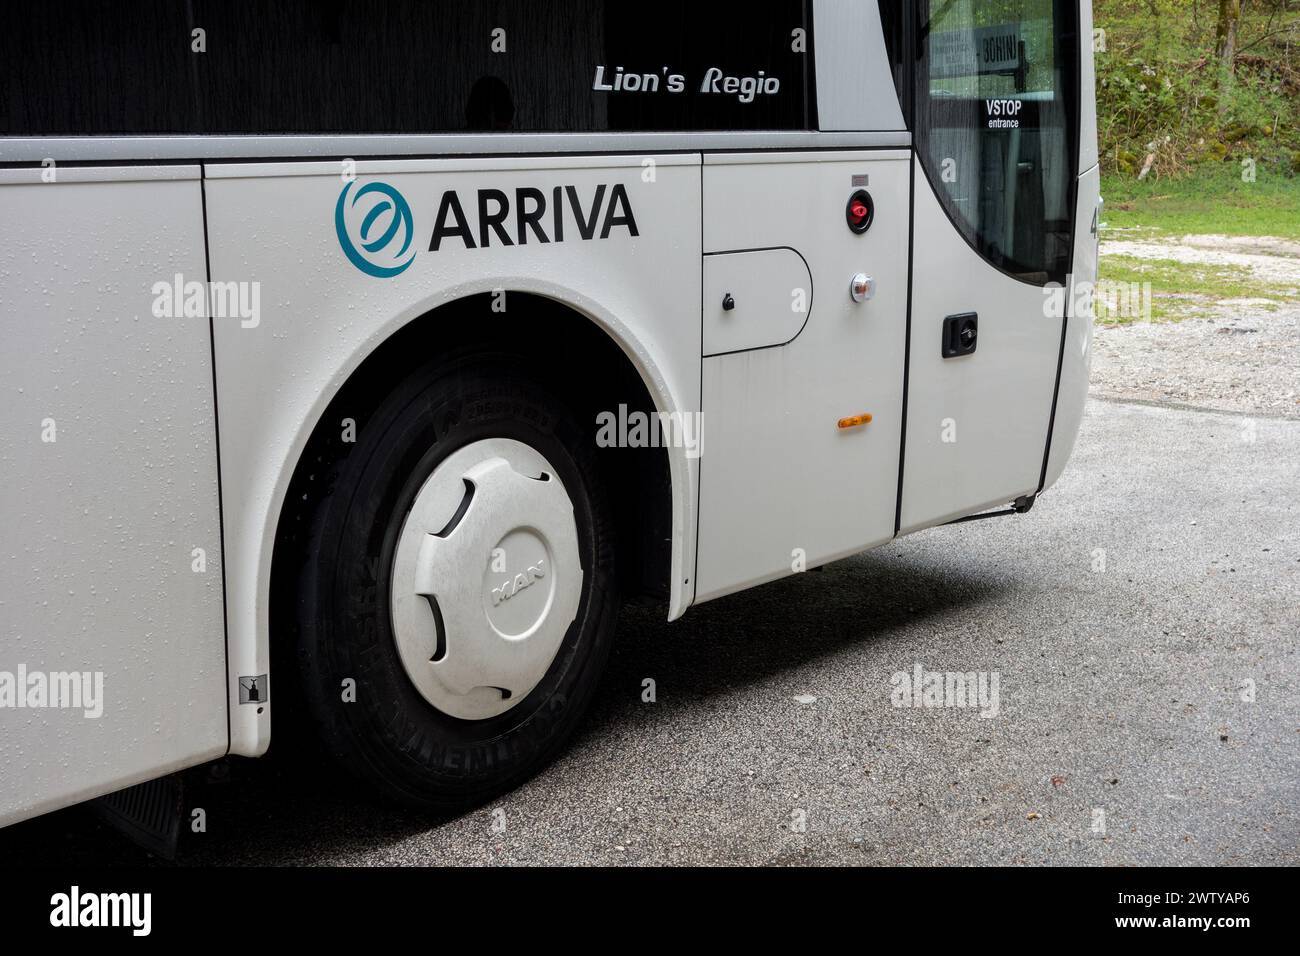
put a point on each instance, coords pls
(854, 87)
(1088, 90)
(99, 525)
(780, 483)
(1076, 359)
(274, 224)
(997, 402)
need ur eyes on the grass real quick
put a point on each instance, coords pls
(1159, 93)
(1177, 290)
(1213, 199)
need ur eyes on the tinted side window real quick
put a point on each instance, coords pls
(404, 66)
(85, 67)
(368, 66)
(995, 123)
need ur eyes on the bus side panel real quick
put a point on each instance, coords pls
(1076, 360)
(109, 473)
(782, 487)
(1087, 88)
(321, 315)
(976, 424)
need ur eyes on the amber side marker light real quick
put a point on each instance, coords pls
(853, 421)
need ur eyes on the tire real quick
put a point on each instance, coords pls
(428, 746)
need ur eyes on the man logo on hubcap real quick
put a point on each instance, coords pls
(518, 582)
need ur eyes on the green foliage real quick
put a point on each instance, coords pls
(1160, 91)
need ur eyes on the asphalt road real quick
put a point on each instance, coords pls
(1122, 698)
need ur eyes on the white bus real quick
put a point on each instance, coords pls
(361, 357)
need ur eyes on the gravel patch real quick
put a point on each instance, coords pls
(1238, 355)
(1269, 259)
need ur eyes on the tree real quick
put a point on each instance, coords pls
(1225, 33)
(1225, 47)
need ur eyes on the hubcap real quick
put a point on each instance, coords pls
(486, 578)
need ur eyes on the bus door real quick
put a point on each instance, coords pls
(802, 373)
(995, 121)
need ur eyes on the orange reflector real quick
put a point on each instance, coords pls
(853, 421)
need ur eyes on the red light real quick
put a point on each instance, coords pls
(860, 211)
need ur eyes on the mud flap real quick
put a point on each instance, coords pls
(149, 814)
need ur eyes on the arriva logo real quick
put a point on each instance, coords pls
(380, 219)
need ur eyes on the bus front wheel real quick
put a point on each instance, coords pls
(458, 599)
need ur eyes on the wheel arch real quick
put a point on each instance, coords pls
(574, 327)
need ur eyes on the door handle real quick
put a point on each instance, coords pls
(960, 335)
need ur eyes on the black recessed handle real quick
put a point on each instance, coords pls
(960, 334)
(728, 303)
